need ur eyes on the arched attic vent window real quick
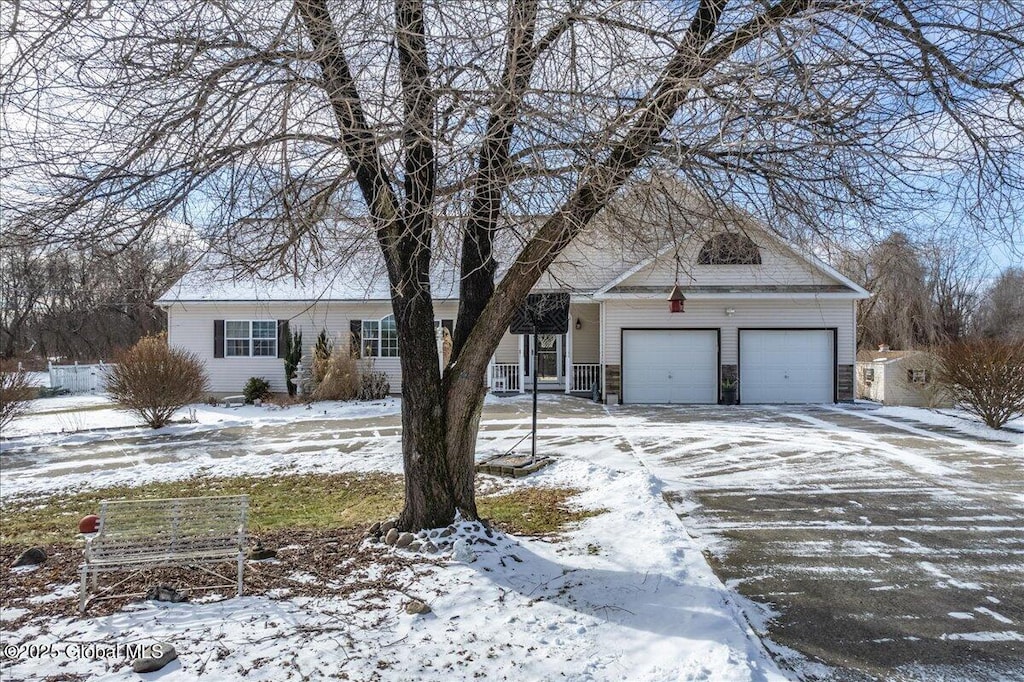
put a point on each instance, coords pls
(729, 248)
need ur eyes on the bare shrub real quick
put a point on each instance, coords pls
(154, 380)
(986, 376)
(340, 378)
(374, 385)
(16, 392)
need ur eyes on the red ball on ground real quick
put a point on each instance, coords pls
(89, 524)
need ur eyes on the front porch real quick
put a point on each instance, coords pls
(567, 363)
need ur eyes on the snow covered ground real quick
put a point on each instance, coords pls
(626, 595)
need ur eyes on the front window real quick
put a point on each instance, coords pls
(729, 248)
(388, 337)
(380, 338)
(250, 338)
(371, 338)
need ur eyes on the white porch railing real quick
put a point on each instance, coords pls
(584, 376)
(78, 378)
(504, 377)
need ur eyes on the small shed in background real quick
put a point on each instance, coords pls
(899, 377)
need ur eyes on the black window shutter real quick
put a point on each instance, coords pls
(449, 325)
(355, 328)
(218, 338)
(282, 338)
(526, 354)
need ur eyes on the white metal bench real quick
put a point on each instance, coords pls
(135, 535)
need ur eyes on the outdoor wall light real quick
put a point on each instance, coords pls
(729, 312)
(579, 323)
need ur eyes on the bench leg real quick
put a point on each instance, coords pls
(83, 590)
(241, 571)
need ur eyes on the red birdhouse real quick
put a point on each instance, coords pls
(676, 300)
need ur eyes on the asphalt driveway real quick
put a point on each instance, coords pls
(887, 549)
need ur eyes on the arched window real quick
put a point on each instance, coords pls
(380, 338)
(729, 248)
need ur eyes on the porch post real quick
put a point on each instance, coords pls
(522, 366)
(490, 375)
(568, 356)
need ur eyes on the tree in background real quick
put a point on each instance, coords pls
(86, 301)
(923, 293)
(1001, 309)
(900, 311)
(294, 135)
(16, 392)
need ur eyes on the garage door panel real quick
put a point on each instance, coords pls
(787, 366)
(670, 366)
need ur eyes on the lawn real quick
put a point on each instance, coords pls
(297, 502)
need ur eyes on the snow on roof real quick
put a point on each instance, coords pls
(885, 355)
(352, 281)
(635, 230)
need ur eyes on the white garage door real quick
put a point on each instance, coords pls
(669, 366)
(786, 366)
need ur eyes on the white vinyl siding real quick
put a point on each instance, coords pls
(778, 267)
(710, 314)
(508, 349)
(890, 386)
(190, 326)
(586, 341)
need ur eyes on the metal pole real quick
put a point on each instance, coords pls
(533, 449)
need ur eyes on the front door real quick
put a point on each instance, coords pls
(548, 357)
(550, 363)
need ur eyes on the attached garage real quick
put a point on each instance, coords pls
(787, 365)
(670, 365)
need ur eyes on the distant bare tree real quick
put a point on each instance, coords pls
(923, 293)
(900, 312)
(297, 134)
(85, 302)
(954, 275)
(1001, 311)
(16, 392)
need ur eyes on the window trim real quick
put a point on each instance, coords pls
(250, 339)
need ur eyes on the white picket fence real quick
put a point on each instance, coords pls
(78, 378)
